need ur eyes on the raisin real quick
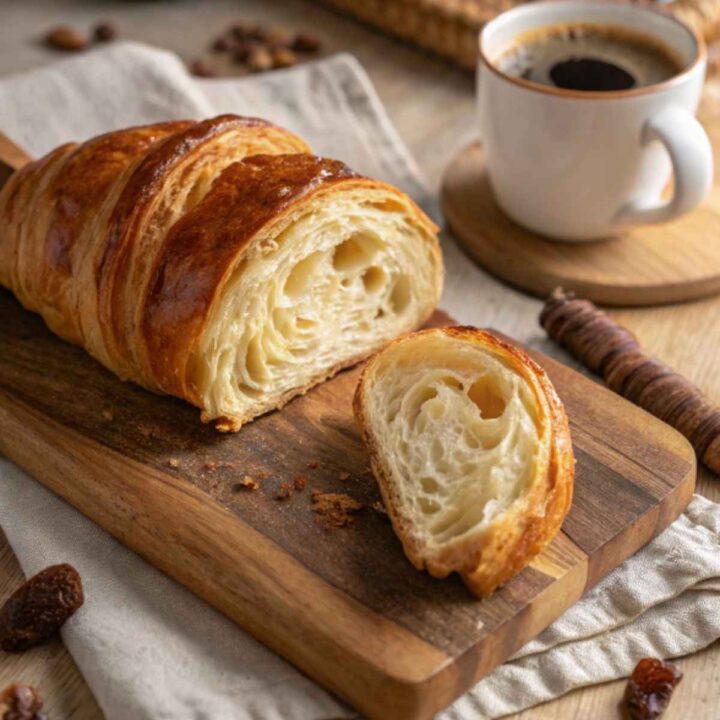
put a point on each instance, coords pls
(305, 43)
(21, 702)
(650, 688)
(40, 607)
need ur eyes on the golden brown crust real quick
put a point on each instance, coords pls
(74, 263)
(488, 559)
(133, 212)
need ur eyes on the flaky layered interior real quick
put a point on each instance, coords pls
(461, 434)
(318, 290)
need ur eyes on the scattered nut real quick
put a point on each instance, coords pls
(305, 43)
(259, 59)
(284, 58)
(278, 37)
(66, 38)
(221, 44)
(241, 52)
(21, 702)
(40, 607)
(104, 32)
(200, 68)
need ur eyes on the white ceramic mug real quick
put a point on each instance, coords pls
(578, 165)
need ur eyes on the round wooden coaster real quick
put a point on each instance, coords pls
(648, 266)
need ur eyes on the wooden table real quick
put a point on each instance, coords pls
(432, 106)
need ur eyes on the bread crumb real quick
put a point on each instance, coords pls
(145, 430)
(262, 474)
(108, 414)
(313, 465)
(336, 509)
(247, 483)
(210, 465)
(379, 507)
(223, 424)
(173, 462)
(299, 482)
(283, 492)
(344, 475)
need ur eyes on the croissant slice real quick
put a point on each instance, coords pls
(471, 449)
(232, 284)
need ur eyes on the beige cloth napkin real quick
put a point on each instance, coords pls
(150, 649)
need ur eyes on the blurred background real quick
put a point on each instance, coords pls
(429, 99)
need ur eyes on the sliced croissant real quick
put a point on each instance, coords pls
(216, 261)
(471, 449)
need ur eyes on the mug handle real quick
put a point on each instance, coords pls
(692, 160)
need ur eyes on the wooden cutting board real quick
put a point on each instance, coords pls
(342, 604)
(652, 265)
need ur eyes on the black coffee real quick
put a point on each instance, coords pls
(589, 58)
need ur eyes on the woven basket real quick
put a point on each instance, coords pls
(450, 28)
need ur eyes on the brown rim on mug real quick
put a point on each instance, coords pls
(700, 45)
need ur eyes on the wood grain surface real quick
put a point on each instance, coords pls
(651, 265)
(342, 604)
(433, 107)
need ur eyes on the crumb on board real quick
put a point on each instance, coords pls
(223, 424)
(108, 414)
(313, 465)
(344, 475)
(247, 483)
(379, 507)
(210, 465)
(145, 430)
(283, 492)
(336, 509)
(173, 463)
(299, 482)
(262, 474)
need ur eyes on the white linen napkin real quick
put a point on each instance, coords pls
(147, 647)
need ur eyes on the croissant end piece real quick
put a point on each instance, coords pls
(471, 449)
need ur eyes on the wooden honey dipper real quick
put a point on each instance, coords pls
(613, 352)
